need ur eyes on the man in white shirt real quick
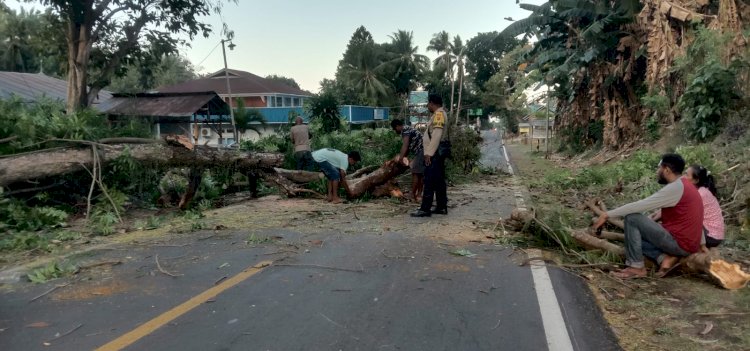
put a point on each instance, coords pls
(334, 163)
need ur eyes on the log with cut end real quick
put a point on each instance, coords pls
(389, 170)
(55, 162)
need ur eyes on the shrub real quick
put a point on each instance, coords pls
(709, 96)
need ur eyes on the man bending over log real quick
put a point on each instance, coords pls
(681, 229)
(334, 163)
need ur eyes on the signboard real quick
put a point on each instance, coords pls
(378, 114)
(475, 112)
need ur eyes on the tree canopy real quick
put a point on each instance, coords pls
(105, 36)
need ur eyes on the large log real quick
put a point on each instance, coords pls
(55, 162)
(386, 172)
(357, 186)
(727, 275)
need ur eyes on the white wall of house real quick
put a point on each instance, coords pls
(208, 135)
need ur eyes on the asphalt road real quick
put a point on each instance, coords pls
(397, 288)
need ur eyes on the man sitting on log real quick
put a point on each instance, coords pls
(679, 234)
(334, 163)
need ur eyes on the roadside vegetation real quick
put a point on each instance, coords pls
(630, 89)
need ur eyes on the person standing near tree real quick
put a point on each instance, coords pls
(300, 135)
(435, 153)
(411, 142)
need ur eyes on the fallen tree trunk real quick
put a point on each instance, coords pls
(591, 242)
(299, 177)
(379, 179)
(380, 176)
(60, 161)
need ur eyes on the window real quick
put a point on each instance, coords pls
(279, 101)
(287, 102)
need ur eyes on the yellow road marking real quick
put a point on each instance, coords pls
(166, 317)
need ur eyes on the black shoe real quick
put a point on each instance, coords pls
(442, 211)
(420, 213)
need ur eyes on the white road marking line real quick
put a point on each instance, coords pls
(507, 160)
(554, 325)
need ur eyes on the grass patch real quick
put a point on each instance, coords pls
(53, 270)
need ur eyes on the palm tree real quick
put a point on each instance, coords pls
(459, 52)
(441, 43)
(248, 119)
(404, 64)
(365, 75)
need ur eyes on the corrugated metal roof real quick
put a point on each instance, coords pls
(30, 87)
(159, 104)
(241, 82)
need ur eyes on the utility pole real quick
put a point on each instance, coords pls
(235, 133)
(546, 138)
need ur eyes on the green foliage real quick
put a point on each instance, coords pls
(325, 108)
(24, 241)
(248, 119)
(375, 145)
(152, 72)
(710, 95)
(269, 143)
(258, 240)
(34, 125)
(652, 129)
(639, 168)
(579, 138)
(283, 80)
(32, 42)
(53, 270)
(703, 155)
(152, 222)
(17, 216)
(465, 150)
(141, 182)
(194, 220)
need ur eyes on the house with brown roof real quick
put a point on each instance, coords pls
(273, 99)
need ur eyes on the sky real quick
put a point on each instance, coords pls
(305, 39)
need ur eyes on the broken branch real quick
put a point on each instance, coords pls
(158, 265)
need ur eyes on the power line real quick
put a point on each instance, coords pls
(209, 55)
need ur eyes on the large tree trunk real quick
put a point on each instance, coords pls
(382, 175)
(460, 92)
(358, 186)
(79, 50)
(55, 162)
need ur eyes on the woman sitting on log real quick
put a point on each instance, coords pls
(713, 219)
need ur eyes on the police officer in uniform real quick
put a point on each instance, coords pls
(434, 174)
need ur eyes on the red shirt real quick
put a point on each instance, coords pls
(685, 220)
